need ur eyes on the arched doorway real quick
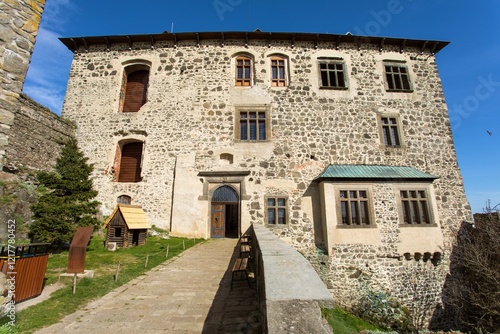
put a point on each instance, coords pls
(224, 219)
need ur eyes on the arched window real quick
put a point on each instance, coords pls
(278, 71)
(130, 162)
(244, 70)
(124, 199)
(134, 88)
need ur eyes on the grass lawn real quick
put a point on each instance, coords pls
(345, 323)
(104, 263)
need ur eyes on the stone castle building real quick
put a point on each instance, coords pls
(339, 144)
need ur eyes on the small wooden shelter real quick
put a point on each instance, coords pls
(127, 226)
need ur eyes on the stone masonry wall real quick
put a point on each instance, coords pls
(35, 136)
(19, 21)
(190, 120)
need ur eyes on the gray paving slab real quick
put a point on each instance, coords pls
(187, 295)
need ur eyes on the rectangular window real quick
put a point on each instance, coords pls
(278, 78)
(354, 207)
(276, 210)
(397, 78)
(253, 125)
(243, 71)
(415, 207)
(332, 74)
(118, 232)
(390, 131)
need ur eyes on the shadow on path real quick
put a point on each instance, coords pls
(235, 310)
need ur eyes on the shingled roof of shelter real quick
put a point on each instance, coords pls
(133, 215)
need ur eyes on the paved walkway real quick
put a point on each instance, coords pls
(190, 294)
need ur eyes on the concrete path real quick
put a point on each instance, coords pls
(190, 294)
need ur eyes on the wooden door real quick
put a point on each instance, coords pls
(218, 221)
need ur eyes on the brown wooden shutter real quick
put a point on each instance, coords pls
(136, 91)
(130, 167)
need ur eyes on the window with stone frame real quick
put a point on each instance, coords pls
(244, 69)
(354, 207)
(397, 77)
(253, 125)
(276, 210)
(128, 164)
(278, 71)
(124, 199)
(390, 131)
(332, 73)
(415, 207)
(134, 89)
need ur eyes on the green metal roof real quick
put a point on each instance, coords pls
(374, 172)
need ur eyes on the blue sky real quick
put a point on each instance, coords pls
(469, 66)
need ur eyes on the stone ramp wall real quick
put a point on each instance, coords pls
(291, 292)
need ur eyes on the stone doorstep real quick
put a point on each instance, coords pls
(68, 277)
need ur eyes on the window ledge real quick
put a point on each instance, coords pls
(399, 90)
(357, 226)
(417, 225)
(333, 88)
(277, 225)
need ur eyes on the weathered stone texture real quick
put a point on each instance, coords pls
(19, 22)
(190, 121)
(35, 136)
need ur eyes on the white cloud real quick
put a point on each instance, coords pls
(55, 14)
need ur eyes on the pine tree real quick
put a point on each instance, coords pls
(69, 202)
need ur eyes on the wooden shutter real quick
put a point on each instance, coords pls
(136, 91)
(130, 166)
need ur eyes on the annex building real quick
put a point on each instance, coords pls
(339, 144)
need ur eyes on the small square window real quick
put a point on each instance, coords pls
(332, 73)
(118, 232)
(397, 78)
(276, 211)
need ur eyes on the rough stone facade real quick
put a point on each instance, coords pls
(190, 128)
(19, 21)
(36, 134)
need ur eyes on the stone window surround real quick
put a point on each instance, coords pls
(249, 108)
(129, 66)
(335, 60)
(381, 115)
(398, 63)
(240, 55)
(287, 214)
(285, 58)
(117, 157)
(355, 186)
(431, 203)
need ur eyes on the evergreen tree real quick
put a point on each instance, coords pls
(69, 202)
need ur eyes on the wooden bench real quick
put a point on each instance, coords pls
(240, 267)
(245, 250)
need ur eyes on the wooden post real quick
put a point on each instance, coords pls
(183, 245)
(74, 283)
(166, 255)
(117, 271)
(146, 264)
